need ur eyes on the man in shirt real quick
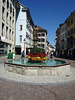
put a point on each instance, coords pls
(10, 55)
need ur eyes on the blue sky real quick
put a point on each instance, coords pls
(48, 14)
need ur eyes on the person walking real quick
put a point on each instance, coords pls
(22, 54)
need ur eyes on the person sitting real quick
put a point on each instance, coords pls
(10, 55)
(22, 54)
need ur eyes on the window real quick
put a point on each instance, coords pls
(3, 13)
(42, 45)
(10, 34)
(4, 1)
(43, 40)
(2, 29)
(10, 8)
(7, 4)
(43, 34)
(38, 40)
(27, 36)
(13, 23)
(23, 9)
(74, 29)
(38, 34)
(71, 32)
(38, 44)
(74, 41)
(10, 21)
(71, 21)
(68, 23)
(20, 27)
(13, 12)
(20, 38)
(7, 32)
(7, 18)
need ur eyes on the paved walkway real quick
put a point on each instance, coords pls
(16, 91)
(62, 89)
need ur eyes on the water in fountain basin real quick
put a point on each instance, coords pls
(50, 62)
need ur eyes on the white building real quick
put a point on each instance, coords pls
(24, 29)
(7, 25)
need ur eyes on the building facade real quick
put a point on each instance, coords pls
(63, 40)
(71, 34)
(40, 37)
(49, 48)
(24, 30)
(7, 25)
(58, 41)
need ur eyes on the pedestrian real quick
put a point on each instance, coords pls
(51, 55)
(22, 54)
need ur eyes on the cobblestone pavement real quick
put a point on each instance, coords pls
(19, 91)
(2, 59)
(16, 91)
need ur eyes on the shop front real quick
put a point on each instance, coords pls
(4, 48)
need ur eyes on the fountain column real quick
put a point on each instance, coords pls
(24, 47)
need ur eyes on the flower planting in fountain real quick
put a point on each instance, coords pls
(37, 54)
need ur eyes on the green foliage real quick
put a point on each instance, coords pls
(52, 50)
(37, 50)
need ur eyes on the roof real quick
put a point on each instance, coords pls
(28, 12)
(71, 15)
(23, 6)
(39, 29)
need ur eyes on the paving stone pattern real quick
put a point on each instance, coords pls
(15, 91)
(18, 91)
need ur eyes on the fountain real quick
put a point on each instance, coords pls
(37, 65)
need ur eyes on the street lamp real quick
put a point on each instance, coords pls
(24, 46)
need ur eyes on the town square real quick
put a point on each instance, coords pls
(37, 50)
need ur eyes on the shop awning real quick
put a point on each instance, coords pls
(72, 48)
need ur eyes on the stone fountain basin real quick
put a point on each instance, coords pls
(37, 70)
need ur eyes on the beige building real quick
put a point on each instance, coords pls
(7, 25)
(40, 37)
